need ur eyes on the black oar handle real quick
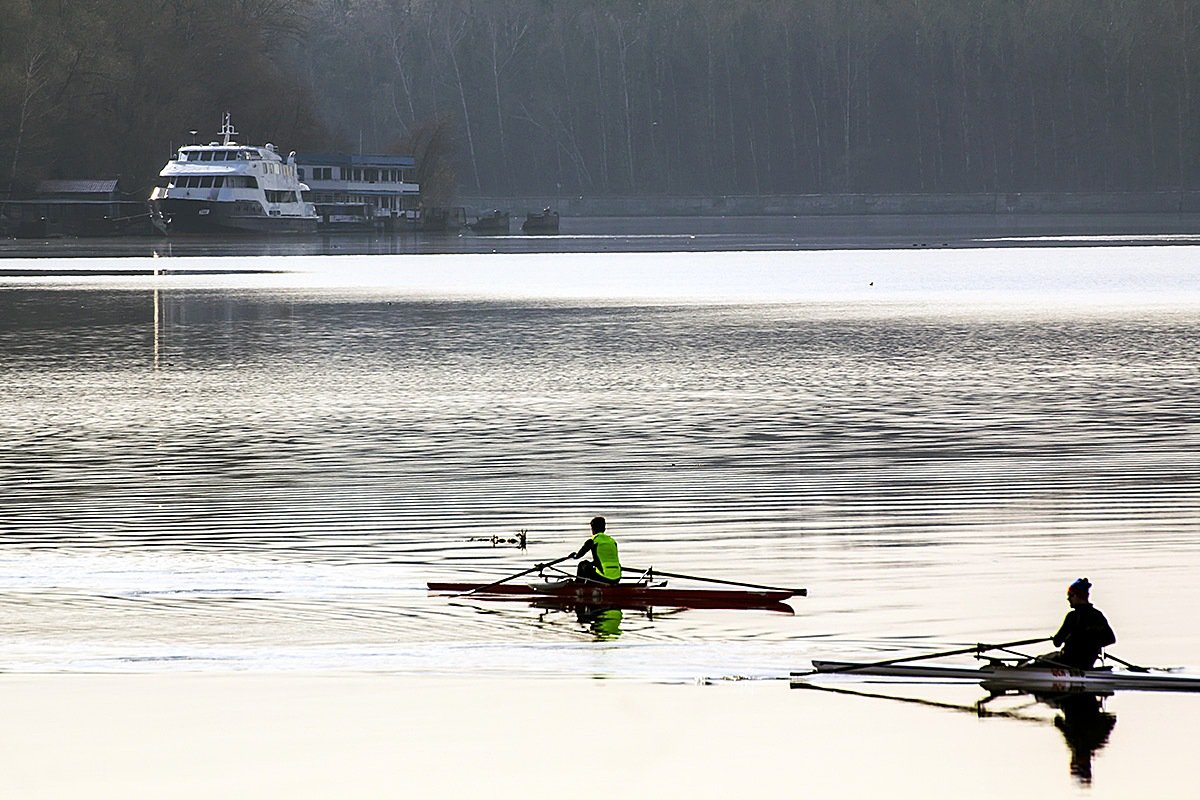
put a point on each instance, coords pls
(652, 572)
(1127, 665)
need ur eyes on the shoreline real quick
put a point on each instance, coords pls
(692, 234)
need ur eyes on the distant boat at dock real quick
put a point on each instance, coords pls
(543, 222)
(229, 187)
(491, 224)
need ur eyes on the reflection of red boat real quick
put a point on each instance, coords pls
(630, 595)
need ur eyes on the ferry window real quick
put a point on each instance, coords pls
(300, 173)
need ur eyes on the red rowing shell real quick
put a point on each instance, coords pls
(624, 595)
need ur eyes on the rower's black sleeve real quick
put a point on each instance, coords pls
(1064, 630)
(1104, 632)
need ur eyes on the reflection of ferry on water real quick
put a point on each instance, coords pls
(227, 187)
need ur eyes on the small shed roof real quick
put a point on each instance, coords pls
(105, 186)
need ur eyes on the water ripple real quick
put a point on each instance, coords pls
(257, 478)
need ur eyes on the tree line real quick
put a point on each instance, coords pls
(622, 96)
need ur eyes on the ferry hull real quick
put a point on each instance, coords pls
(206, 216)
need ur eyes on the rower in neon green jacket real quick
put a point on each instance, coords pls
(606, 568)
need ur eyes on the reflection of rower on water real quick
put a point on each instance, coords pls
(606, 568)
(1084, 631)
(1083, 722)
(1085, 726)
(603, 622)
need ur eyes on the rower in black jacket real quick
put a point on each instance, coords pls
(1084, 632)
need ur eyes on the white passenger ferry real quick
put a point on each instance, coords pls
(225, 186)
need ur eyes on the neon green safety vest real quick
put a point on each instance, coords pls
(609, 565)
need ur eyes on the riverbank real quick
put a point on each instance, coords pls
(821, 205)
(668, 234)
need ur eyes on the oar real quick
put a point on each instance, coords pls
(1126, 664)
(979, 648)
(652, 572)
(511, 577)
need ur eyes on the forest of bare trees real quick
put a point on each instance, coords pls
(623, 96)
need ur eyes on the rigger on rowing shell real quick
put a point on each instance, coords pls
(1084, 631)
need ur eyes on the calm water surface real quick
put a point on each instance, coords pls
(259, 468)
